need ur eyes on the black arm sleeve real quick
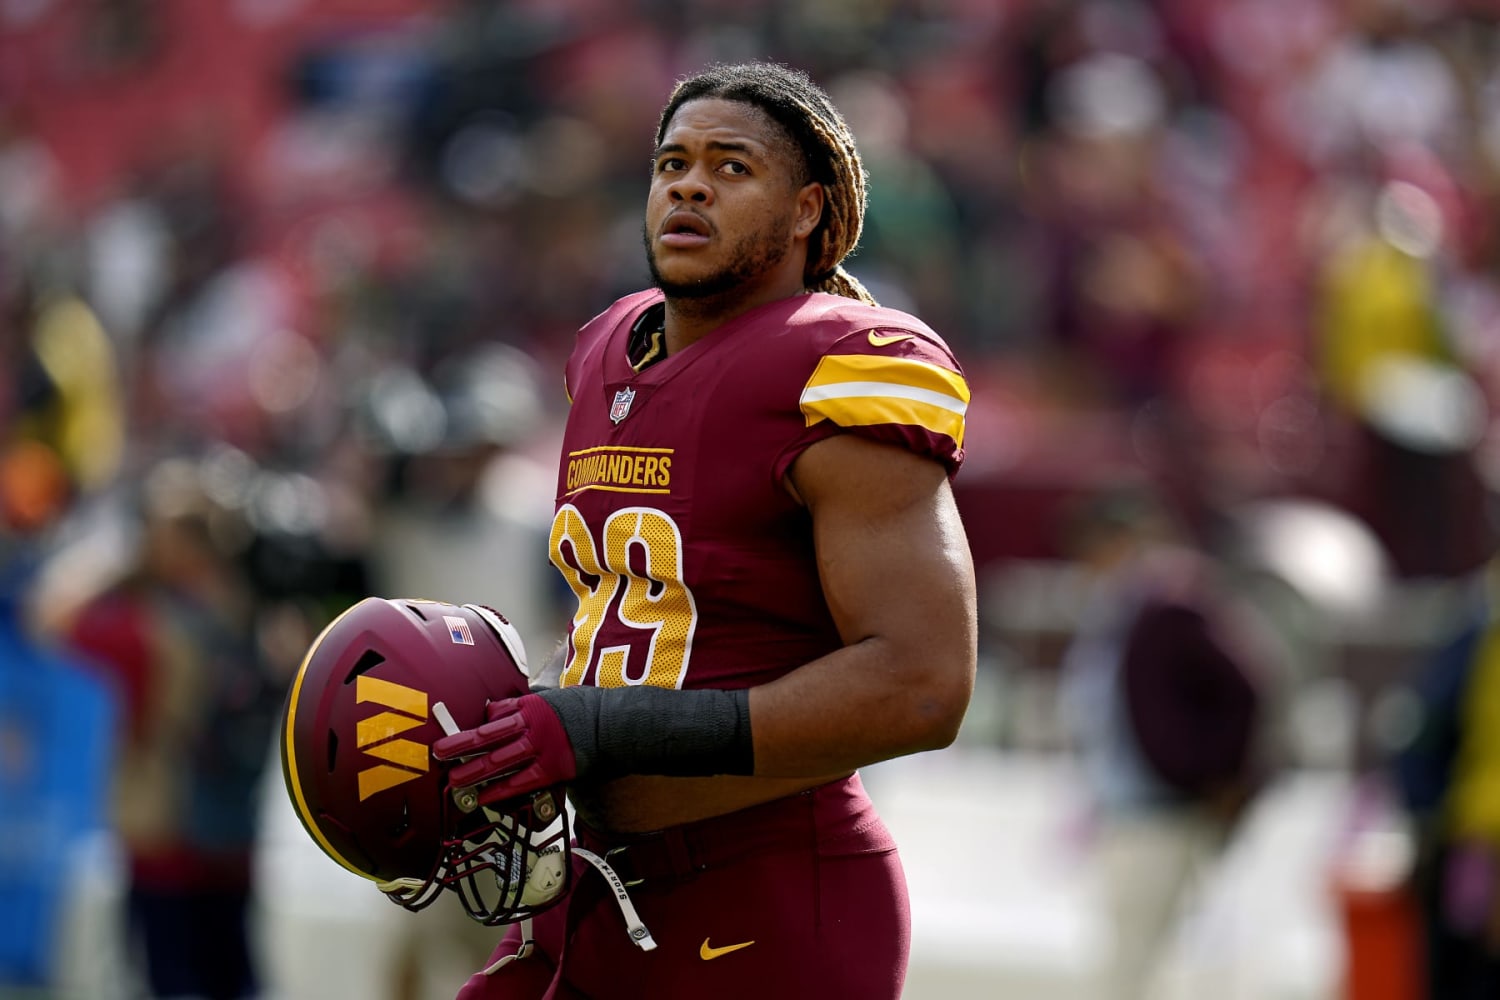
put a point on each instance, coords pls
(652, 730)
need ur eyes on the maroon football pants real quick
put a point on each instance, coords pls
(801, 897)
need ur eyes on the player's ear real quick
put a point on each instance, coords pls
(809, 209)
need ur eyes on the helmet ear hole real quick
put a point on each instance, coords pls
(367, 661)
(333, 750)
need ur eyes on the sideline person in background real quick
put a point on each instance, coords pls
(1449, 778)
(57, 727)
(175, 636)
(1161, 694)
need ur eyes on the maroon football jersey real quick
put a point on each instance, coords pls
(692, 565)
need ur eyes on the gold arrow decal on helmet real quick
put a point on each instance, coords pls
(383, 727)
(374, 735)
(403, 752)
(391, 695)
(380, 777)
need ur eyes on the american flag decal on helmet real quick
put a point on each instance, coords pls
(620, 409)
(458, 631)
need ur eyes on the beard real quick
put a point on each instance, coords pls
(754, 255)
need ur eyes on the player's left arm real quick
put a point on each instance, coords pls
(898, 576)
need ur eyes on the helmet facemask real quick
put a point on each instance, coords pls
(503, 867)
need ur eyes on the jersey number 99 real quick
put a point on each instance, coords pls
(630, 597)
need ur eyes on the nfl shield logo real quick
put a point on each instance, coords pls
(621, 407)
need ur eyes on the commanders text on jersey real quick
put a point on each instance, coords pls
(640, 469)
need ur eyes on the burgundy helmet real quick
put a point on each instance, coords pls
(382, 683)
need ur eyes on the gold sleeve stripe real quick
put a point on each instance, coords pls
(864, 389)
(865, 410)
(835, 368)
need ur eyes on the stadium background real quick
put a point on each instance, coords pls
(315, 266)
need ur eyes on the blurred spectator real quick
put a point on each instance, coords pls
(468, 512)
(1161, 692)
(175, 636)
(60, 441)
(1449, 778)
(1122, 288)
(1384, 346)
(56, 724)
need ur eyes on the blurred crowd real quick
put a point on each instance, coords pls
(285, 288)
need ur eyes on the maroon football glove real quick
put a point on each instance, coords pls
(522, 748)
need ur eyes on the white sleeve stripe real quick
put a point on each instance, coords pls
(876, 390)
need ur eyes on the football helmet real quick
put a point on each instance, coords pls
(382, 683)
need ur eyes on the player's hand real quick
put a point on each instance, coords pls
(521, 749)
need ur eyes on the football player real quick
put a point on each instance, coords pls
(773, 587)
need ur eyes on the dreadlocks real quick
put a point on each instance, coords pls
(791, 99)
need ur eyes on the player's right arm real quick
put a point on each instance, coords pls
(898, 577)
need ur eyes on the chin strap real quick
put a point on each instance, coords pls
(633, 924)
(528, 945)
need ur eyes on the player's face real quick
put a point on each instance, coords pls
(727, 210)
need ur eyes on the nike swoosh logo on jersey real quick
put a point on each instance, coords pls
(708, 953)
(876, 340)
